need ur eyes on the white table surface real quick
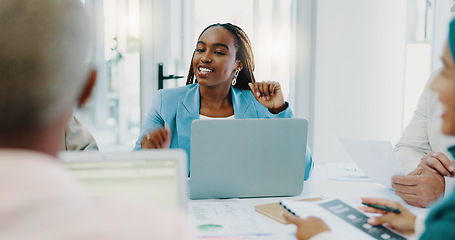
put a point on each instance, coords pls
(317, 186)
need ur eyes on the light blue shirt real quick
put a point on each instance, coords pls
(178, 107)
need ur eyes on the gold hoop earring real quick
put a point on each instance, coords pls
(236, 74)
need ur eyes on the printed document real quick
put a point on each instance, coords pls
(225, 218)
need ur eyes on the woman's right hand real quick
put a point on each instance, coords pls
(160, 138)
(270, 95)
(402, 222)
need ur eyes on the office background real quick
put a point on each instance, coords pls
(353, 68)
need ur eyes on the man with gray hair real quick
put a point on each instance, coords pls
(44, 71)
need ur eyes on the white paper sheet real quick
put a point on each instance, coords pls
(376, 158)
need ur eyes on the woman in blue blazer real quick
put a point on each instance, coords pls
(224, 87)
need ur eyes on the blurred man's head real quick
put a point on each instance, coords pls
(44, 51)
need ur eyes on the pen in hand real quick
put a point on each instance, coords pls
(287, 209)
(385, 208)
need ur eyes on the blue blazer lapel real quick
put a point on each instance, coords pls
(243, 108)
(187, 111)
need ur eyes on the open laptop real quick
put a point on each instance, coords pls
(247, 158)
(148, 176)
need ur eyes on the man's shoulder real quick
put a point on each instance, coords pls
(150, 222)
(103, 219)
(54, 202)
(23, 168)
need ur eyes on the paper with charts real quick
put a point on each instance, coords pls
(344, 221)
(225, 218)
(376, 158)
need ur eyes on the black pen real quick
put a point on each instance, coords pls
(385, 208)
(287, 209)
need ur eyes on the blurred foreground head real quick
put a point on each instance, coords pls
(44, 57)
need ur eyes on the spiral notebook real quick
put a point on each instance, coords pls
(274, 210)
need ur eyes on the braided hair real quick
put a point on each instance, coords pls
(244, 54)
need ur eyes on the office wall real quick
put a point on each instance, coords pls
(359, 73)
(442, 17)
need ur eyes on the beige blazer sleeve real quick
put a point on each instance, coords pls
(78, 137)
(423, 133)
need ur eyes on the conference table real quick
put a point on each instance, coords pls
(235, 219)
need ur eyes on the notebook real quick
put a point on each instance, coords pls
(274, 210)
(148, 176)
(247, 158)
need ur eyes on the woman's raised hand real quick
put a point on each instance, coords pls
(269, 94)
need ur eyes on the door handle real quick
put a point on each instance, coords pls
(161, 77)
